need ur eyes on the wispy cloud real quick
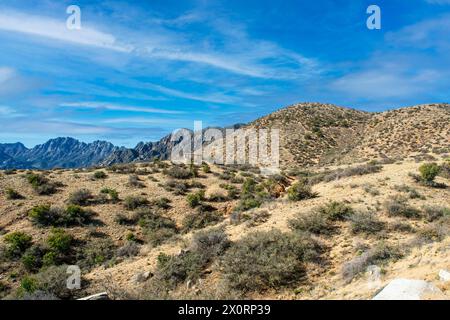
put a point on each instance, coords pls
(57, 30)
(108, 106)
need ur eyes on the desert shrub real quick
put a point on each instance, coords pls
(247, 204)
(432, 213)
(123, 168)
(134, 181)
(200, 220)
(50, 282)
(365, 222)
(264, 260)
(338, 174)
(41, 184)
(336, 210)
(80, 197)
(129, 249)
(258, 217)
(429, 171)
(436, 231)
(59, 241)
(17, 243)
(32, 258)
(445, 169)
(300, 191)
(178, 172)
(232, 191)
(100, 175)
(195, 199)
(398, 207)
(112, 193)
(10, 171)
(315, 222)
(75, 216)
(12, 194)
(206, 168)
(97, 252)
(45, 215)
(177, 187)
(381, 253)
(124, 219)
(162, 203)
(134, 202)
(173, 270)
(156, 228)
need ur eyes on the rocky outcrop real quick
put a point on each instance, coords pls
(406, 289)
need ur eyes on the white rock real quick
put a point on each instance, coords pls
(98, 296)
(406, 289)
(444, 275)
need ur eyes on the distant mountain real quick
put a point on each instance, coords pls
(310, 134)
(59, 152)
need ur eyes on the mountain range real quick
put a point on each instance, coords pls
(310, 134)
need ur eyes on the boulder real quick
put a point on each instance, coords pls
(407, 289)
(444, 275)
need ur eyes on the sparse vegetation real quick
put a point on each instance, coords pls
(80, 197)
(100, 175)
(399, 207)
(12, 194)
(265, 260)
(300, 191)
(365, 222)
(134, 202)
(17, 243)
(41, 184)
(45, 215)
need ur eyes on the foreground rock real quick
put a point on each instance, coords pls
(406, 289)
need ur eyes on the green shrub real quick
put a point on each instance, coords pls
(17, 242)
(12, 194)
(247, 204)
(41, 184)
(365, 222)
(429, 171)
(206, 168)
(172, 270)
(32, 258)
(28, 285)
(195, 199)
(314, 222)
(178, 172)
(45, 215)
(157, 229)
(98, 252)
(113, 194)
(100, 175)
(200, 220)
(134, 202)
(336, 210)
(265, 260)
(300, 191)
(80, 197)
(163, 203)
(59, 241)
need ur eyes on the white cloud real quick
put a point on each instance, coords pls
(107, 106)
(57, 30)
(431, 33)
(438, 1)
(6, 74)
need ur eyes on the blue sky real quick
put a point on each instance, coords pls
(137, 71)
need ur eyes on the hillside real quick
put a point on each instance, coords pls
(134, 231)
(311, 134)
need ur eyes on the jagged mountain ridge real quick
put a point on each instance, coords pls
(60, 152)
